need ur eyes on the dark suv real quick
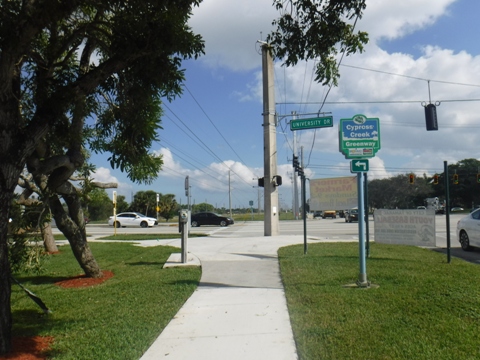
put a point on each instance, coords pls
(209, 218)
(351, 215)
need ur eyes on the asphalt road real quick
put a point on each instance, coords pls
(317, 229)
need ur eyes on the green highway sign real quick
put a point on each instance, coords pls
(319, 122)
(359, 165)
(359, 137)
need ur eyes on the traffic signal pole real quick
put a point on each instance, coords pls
(447, 207)
(271, 222)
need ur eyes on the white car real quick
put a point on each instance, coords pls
(132, 219)
(468, 230)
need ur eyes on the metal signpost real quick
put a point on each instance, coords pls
(359, 139)
(304, 124)
(114, 200)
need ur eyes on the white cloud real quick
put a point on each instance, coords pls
(231, 29)
(394, 19)
(103, 174)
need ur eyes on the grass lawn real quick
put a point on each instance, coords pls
(137, 237)
(424, 308)
(118, 319)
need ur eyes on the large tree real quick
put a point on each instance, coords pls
(63, 63)
(168, 206)
(397, 192)
(317, 30)
(144, 202)
(466, 192)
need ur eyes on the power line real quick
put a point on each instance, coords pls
(214, 126)
(203, 145)
(373, 102)
(410, 77)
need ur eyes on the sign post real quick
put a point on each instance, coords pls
(359, 139)
(114, 200)
(362, 277)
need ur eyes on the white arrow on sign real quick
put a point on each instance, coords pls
(362, 164)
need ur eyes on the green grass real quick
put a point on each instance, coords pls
(118, 319)
(137, 237)
(423, 308)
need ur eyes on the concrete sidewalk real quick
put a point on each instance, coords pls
(238, 311)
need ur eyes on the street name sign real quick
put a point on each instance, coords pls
(312, 123)
(359, 165)
(359, 137)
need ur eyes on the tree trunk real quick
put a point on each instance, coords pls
(72, 225)
(48, 239)
(6, 197)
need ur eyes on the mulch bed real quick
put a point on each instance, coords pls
(36, 347)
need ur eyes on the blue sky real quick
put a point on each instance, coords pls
(213, 132)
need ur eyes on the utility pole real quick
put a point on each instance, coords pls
(271, 223)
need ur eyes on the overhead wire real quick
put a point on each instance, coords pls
(202, 143)
(213, 124)
(408, 76)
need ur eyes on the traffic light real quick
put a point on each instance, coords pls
(431, 117)
(435, 179)
(277, 180)
(261, 182)
(455, 179)
(478, 178)
(296, 166)
(295, 162)
(411, 178)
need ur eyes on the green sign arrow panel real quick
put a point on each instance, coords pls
(359, 165)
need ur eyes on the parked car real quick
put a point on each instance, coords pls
(132, 219)
(317, 214)
(329, 213)
(468, 230)
(456, 209)
(351, 215)
(210, 218)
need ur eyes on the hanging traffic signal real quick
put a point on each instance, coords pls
(431, 117)
(455, 179)
(435, 179)
(411, 178)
